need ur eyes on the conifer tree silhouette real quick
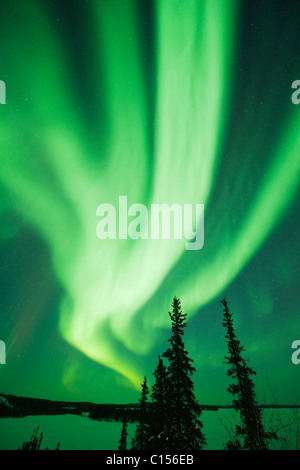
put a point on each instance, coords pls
(123, 438)
(139, 442)
(252, 430)
(159, 406)
(184, 428)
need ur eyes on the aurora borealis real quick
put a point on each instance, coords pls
(164, 102)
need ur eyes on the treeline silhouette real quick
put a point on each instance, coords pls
(171, 419)
(19, 407)
(167, 416)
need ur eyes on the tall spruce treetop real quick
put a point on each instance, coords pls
(184, 426)
(252, 430)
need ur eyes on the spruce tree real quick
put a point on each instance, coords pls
(123, 438)
(159, 406)
(251, 431)
(184, 428)
(140, 440)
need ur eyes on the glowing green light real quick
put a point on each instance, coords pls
(55, 181)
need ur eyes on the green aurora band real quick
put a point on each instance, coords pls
(154, 135)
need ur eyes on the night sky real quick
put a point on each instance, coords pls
(164, 102)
